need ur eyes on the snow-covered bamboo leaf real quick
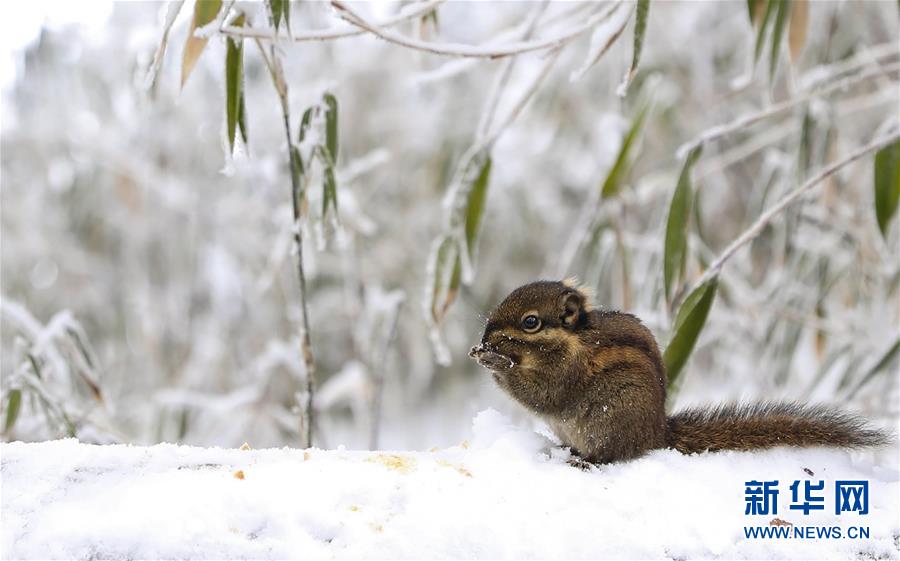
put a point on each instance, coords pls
(763, 25)
(798, 27)
(887, 185)
(689, 323)
(331, 126)
(603, 38)
(640, 28)
(881, 366)
(677, 224)
(234, 91)
(476, 203)
(623, 162)
(205, 11)
(13, 405)
(172, 11)
(286, 9)
(782, 14)
(446, 270)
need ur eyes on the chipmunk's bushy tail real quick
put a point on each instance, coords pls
(766, 425)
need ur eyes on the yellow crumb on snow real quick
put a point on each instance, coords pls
(460, 469)
(403, 464)
(239, 474)
(464, 444)
(244, 446)
(306, 456)
(354, 508)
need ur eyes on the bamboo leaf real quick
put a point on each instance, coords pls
(446, 281)
(329, 185)
(883, 362)
(172, 11)
(234, 91)
(305, 123)
(13, 405)
(751, 10)
(781, 17)
(677, 224)
(331, 126)
(242, 116)
(640, 28)
(297, 173)
(761, 32)
(286, 8)
(689, 323)
(798, 27)
(887, 185)
(476, 203)
(276, 10)
(205, 11)
(622, 165)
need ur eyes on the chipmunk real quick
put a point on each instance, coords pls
(597, 378)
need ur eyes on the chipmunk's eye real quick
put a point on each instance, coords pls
(531, 323)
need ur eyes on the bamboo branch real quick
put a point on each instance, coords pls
(719, 131)
(463, 50)
(750, 233)
(330, 34)
(306, 409)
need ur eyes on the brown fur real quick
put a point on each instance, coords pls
(598, 379)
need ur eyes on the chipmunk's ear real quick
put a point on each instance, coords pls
(572, 307)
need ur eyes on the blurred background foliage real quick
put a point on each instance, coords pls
(148, 280)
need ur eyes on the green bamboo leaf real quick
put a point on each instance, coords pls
(677, 224)
(242, 114)
(689, 323)
(234, 91)
(751, 9)
(329, 188)
(13, 404)
(476, 204)
(276, 10)
(286, 8)
(297, 172)
(305, 123)
(205, 11)
(781, 17)
(763, 25)
(640, 28)
(807, 131)
(887, 185)
(623, 162)
(331, 126)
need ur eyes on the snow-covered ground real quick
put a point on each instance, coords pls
(505, 494)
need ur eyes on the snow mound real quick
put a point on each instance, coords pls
(509, 494)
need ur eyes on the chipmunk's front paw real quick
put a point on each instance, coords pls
(581, 463)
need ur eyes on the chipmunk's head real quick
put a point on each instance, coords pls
(530, 342)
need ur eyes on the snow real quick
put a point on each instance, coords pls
(508, 494)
